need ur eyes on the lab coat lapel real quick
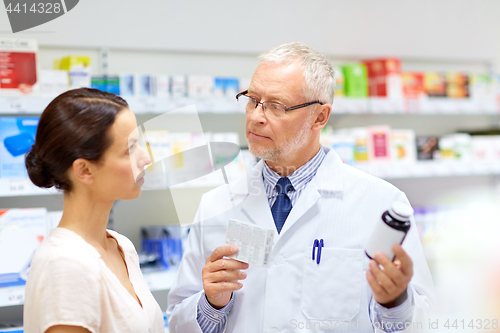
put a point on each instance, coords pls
(327, 181)
(256, 205)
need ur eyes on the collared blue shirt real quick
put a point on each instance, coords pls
(299, 178)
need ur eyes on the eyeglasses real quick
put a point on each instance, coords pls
(277, 110)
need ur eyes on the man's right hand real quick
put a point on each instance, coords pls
(220, 276)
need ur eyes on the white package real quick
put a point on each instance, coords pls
(21, 232)
(254, 243)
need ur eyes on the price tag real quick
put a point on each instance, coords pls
(18, 186)
(15, 296)
(16, 105)
(147, 105)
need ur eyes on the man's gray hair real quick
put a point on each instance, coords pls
(318, 73)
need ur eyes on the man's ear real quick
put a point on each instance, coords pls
(321, 117)
(82, 171)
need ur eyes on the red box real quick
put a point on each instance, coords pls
(384, 77)
(18, 66)
(413, 85)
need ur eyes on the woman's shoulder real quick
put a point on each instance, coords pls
(65, 248)
(123, 241)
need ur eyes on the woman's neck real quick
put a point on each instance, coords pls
(88, 216)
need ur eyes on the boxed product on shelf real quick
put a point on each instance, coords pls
(17, 135)
(462, 146)
(159, 145)
(403, 145)
(343, 144)
(165, 244)
(481, 86)
(128, 85)
(446, 148)
(162, 86)
(427, 147)
(232, 85)
(360, 135)
(78, 68)
(355, 80)
(178, 86)
(384, 77)
(106, 83)
(18, 67)
(222, 154)
(379, 143)
(227, 87)
(483, 148)
(455, 146)
(21, 232)
(457, 85)
(339, 82)
(413, 85)
(435, 84)
(145, 85)
(200, 86)
(53, 82)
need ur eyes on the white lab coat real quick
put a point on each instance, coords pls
(339, 205)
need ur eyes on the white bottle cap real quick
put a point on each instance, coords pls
(400, 210)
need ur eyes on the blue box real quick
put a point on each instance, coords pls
(17, 135)
(168, 250)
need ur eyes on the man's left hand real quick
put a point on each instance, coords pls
(389, 283)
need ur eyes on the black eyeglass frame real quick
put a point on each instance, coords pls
(295, 107)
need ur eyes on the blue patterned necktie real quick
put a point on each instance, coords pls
(282, 206)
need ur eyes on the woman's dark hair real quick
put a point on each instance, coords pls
(74, 125)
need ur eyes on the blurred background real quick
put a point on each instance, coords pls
(417, 104)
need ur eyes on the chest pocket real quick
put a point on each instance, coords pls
(332, 289)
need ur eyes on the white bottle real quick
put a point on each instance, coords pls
(390, 229)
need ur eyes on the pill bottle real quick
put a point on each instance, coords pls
(390, 229)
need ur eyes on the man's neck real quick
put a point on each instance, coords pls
(287, 167)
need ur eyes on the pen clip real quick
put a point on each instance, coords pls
(315, 244)
(320, 245)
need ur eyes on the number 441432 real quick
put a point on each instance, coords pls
(472, 324)
(36, 8)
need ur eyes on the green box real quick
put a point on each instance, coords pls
(355, 80)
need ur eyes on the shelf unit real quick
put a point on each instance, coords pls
(226, 106)
(156, 281)
(341, 105)
(388, 171)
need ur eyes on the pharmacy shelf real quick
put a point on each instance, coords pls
(13, 187)
(157, 280)
(425, 169)
(36, 105)
(17, 187)
(224, 105)
(10, 296)
(422, 169)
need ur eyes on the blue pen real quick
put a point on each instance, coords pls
(320, 245)
(316, 244)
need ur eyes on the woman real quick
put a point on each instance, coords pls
(85, 278)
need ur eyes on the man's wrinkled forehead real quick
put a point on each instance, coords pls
(280, 80)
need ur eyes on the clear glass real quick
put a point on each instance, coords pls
(249, 104)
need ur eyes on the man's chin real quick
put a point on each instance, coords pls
(262, 153)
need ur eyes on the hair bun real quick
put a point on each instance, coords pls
(37, 171)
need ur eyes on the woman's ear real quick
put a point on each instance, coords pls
(82, 171)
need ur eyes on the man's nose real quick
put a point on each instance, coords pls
(258, 114)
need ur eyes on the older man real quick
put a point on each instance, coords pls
(304, 192)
